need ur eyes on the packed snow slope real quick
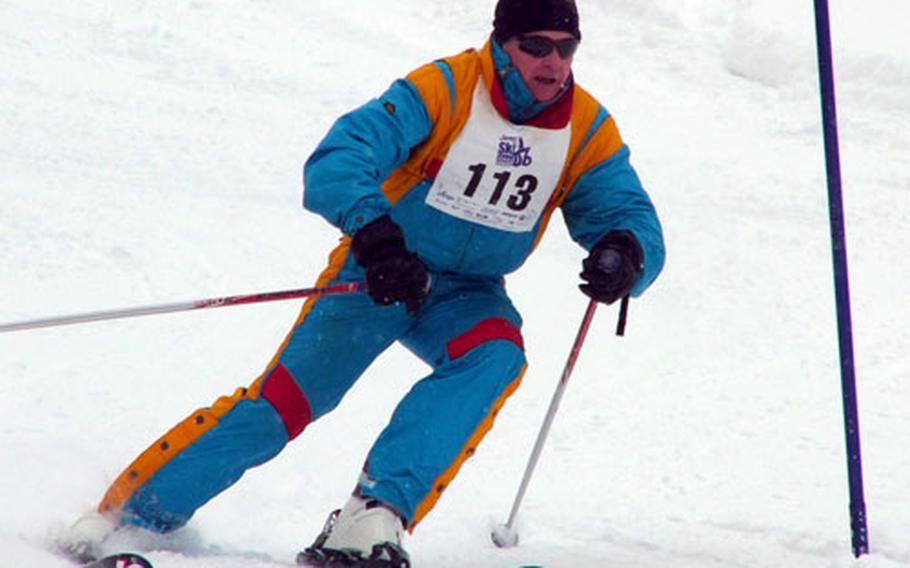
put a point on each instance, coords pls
(150, 152)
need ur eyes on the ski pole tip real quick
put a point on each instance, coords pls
(504, 536)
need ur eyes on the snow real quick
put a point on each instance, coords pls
(151, 153)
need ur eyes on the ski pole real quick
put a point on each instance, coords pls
(344, 288)
(504, 535)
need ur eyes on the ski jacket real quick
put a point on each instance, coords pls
(395, 156)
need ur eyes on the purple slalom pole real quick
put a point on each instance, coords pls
(858, 524)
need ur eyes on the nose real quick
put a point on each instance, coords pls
(553, 59)
(555, 66)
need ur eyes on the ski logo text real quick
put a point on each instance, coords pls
(513, 152)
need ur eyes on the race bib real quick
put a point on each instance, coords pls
(499, 174)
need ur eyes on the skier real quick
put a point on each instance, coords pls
(441, 186)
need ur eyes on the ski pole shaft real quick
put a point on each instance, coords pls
(551, 412)
(344, 288)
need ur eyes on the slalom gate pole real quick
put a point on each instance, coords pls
(504, 535)
(344, 288)
(858, 525)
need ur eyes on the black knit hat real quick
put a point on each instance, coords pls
(514, 17)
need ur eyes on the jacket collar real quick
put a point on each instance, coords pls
(512, 98)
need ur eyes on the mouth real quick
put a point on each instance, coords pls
(549, 81)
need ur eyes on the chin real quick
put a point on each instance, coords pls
(544, 95)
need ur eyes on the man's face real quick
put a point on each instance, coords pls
(545, 75)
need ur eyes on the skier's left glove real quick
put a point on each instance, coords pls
(612, 267)
(394, 274)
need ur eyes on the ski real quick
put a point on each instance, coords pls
(120, 560)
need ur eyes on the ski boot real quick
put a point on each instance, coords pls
(84, 539)
(364, 534)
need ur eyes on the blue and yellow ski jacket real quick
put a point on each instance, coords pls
(382, 158)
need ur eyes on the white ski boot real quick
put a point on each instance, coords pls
(365, 533)
(84, 539)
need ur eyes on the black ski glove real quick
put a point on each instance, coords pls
(394, 274)
(612, 267)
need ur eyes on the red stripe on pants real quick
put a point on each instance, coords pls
(490, 328)
(281, 390)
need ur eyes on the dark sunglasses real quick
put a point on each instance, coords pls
(542, 46)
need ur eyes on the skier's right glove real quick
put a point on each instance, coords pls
(394, 274)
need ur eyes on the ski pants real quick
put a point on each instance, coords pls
(467, 332)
